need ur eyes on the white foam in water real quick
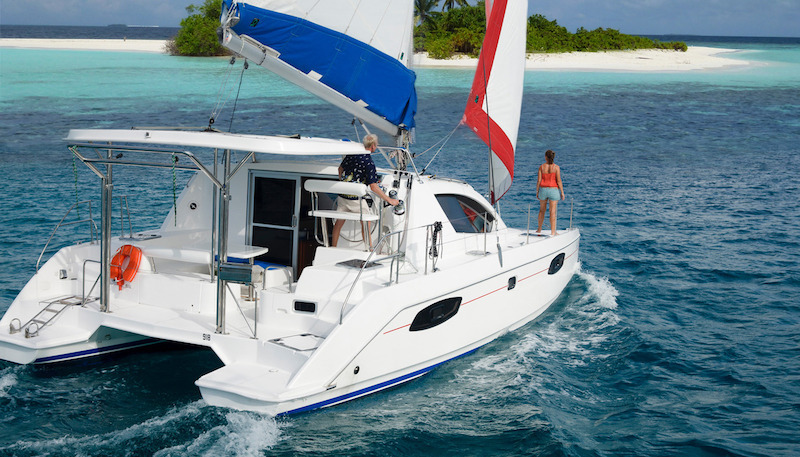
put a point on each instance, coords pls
(245, 434)
(573, 335)
(600, 288)
(8, 379)
(117, 439)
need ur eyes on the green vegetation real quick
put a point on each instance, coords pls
(548, 36)
(457, 30)
(461, 30)
(454, 30)
(198, 33)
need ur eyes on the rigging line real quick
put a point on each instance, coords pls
(308, 11)
(236, 101)
(356, 5)
(378, 24)
(223, 85)
(223, 100)
(408, 31)
(443, 141)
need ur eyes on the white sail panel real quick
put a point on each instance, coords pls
(493, 108)
(386, 25)
(358, 51)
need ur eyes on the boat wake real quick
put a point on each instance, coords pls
(8, 379)
(583, 318)
(192, 429)
(243, 434)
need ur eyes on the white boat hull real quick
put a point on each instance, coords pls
(319, 329)
(395, 355)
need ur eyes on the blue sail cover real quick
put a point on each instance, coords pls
(348, 66)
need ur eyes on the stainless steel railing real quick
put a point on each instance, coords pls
(124, 213)
(367, 261)
(92, 227)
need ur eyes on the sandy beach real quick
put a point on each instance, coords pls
(657, 60)
(154, 46)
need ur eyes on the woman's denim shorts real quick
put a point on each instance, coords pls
(549, 193)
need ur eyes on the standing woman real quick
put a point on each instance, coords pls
(547, 190)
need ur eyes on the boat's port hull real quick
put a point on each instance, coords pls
(39, 350)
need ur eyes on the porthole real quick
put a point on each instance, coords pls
(436, 314)
(556, 264)
(512, 282)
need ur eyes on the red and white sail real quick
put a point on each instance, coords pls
(495, 101)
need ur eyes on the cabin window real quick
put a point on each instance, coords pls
(512, 282)
(556, 264)
(274, 201)
(435, 314)
(465, 214)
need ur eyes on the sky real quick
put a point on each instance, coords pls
(642, 17)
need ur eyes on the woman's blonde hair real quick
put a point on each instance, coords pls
(370, 140)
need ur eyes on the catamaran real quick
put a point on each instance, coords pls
(243, 263)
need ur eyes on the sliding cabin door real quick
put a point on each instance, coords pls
(273, 214)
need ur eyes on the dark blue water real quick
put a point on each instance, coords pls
(83, 32)
(680, 335)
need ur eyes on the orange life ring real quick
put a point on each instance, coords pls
(125, 264)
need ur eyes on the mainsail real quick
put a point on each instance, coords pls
(352, 54)
(495, 101)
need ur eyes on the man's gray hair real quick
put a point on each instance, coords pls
(370, 140)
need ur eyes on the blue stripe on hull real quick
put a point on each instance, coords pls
(97, 351)
(375, 388)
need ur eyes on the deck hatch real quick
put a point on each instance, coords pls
(357, 264)
(436, 314)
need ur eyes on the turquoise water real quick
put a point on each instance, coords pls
(678, 337)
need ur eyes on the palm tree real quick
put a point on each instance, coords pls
(423, 9)
(449, 4)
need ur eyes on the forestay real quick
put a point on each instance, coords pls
(495, 101)
(359, 50)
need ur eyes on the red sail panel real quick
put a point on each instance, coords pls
(494, 103)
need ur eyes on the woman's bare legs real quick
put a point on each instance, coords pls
(542, 207)
(553, 216)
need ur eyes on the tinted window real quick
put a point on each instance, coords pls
(435, 314)
(556, 264)
(465, 214)
(273, 201)
(279, 243)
